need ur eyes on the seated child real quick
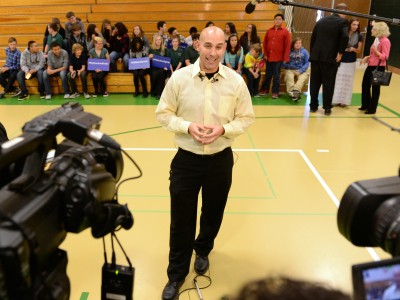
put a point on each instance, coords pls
(296, 68)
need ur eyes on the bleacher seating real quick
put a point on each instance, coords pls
(27, 20)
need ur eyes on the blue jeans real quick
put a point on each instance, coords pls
(64, 80)
(114, 56)
(21, 81)
(272, 72)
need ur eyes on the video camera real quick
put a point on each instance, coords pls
(40, 202)
(369, 216)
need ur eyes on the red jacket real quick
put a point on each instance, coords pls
(277, 44)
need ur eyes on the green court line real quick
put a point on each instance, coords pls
(261, 165)
(84, 296)
(389, 109)
(136, 130)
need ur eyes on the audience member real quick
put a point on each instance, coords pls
(343, 91)
(284, 288)
(77, 37)
(138, 32)
(157, 75)
(92, 32)
(249, 37)
(57, 65)
(252, 69)
(98, 76)
(276, 52)
(119, 44)
(60, 30)
(53, 37)
(377, 59)
(77, 69)
(72, 19)
(191, 53)
(174, 32)
(189, 40)
(9, 71)
(176, 54)
(296, 69)
(162, 31)
(230, 29)
(106, 31)
(32, 65)
(209, 24)
(234, 54)
(138, 49)
(328, 41)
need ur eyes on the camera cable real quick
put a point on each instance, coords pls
(196, 287)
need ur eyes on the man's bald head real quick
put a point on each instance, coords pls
(212, 31)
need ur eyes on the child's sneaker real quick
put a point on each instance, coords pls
(94, 95)
(23, 97)
(105, 94)
(48, 97)
(86, 95)
(275, 96)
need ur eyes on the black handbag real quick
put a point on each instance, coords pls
(381, 77)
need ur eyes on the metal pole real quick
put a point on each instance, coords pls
(338, 11)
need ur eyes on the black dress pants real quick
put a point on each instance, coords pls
(190, 173)
(322, 74)
(370, 102)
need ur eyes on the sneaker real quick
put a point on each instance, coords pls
(16, 93)
(76, 95)
(257, 96)
(105, 94)
(42, 95)
(2, 95)
(86, 95)
(68, 96)
(23, 97)
(48, 97)
(263, 93)
(94, 95)
(275, 96)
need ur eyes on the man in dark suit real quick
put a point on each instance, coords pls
(328, 41)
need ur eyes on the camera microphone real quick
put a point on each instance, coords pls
(251, 6)
(103, 139)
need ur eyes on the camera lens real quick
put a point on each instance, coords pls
(386, 226)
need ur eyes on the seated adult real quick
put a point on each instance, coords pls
(32, 65)
(57, 65)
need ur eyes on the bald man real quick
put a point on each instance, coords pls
(206, 105)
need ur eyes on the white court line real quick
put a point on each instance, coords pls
(331, 195)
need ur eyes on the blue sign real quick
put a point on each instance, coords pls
(98, 64)
(161, 62)
(139, 63)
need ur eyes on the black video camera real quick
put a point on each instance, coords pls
(369, 216)
(40, 202)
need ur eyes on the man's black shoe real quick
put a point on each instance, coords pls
(171, 290)
(328, 111)
(313, 110)
(201, 264)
